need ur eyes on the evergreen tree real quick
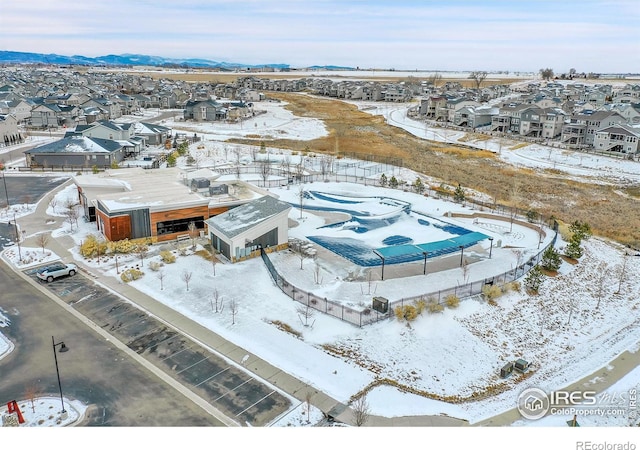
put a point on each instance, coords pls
(418, 186)
(533, 280)
(458, 194)
(551, 259)
(383, 180)
(580, 229)
(393, 182)
(573, 249)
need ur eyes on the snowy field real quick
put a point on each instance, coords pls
(451, 355)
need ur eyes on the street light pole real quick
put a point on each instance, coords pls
(6, 193)
(63, 348)
(15, 225)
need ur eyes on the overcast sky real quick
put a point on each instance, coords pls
(515, 35)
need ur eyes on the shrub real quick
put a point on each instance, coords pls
(131, 275)
(452, 301)
(91, 247)
(155, 265)
(434, 307)
(406, 312)
(421, 305)
(167, 257)
(491, 292)
(511, 286)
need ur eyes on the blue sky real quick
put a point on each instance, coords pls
(515, 35)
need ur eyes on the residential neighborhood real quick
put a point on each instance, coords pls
(570, 114)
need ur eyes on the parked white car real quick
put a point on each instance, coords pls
(57, 270)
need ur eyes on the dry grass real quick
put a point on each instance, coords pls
(356, 133)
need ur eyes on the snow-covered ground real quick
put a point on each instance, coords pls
(456, 353)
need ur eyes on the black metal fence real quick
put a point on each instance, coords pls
(369, 315)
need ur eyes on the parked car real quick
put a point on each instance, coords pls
(57, 270)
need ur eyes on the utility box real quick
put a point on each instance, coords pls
(380, 304)
(521, 365)
(506, 370)
(200, 183)
(219, 189)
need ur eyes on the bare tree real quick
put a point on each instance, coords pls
(326, 162)
(42, 240)
(161, 278)
(603, 272)
(307, 401)
(53, 203)
(573, 305)
(186, 277)
(237, 157)
(302, 249)
(193, 233)
(305, 314)
(515, 200)
(216, 301)
(71, 213)
(265, 169)
(286, 165)
(478, 77)
(546, 74)
(465, 270)
(622, 272)
(361, 411)
(142, 251)
(302, 194)
(233, 307)
(435, 79)
(32, 392)
(317, 278)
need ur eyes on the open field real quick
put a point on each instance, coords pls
(612, 211)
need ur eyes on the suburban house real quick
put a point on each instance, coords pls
(111, 108)
(123, 133)
(9, 132)
(51, 115)
(152, 134)
(159, 205)
(597, 121)
(18, 108)
(76, 152)
(474, 117)
(204, 111)
(241, 232)
(618, 138)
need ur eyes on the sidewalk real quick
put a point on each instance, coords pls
(39, 220)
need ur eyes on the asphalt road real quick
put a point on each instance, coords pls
(117, 389)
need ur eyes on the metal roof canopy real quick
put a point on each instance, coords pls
(431, 248)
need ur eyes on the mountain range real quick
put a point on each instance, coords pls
(11, 57)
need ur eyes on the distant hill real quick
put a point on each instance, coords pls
(9, 57)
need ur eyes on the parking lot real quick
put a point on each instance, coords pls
(223, 384)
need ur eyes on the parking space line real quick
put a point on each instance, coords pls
(255, 403)
(231, 390)
(192, 365)
(212, 376)
(175, 353)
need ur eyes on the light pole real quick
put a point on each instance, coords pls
(15, 225)
(490, 246)
(461, 254)
(6, 193)
(63, 348)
